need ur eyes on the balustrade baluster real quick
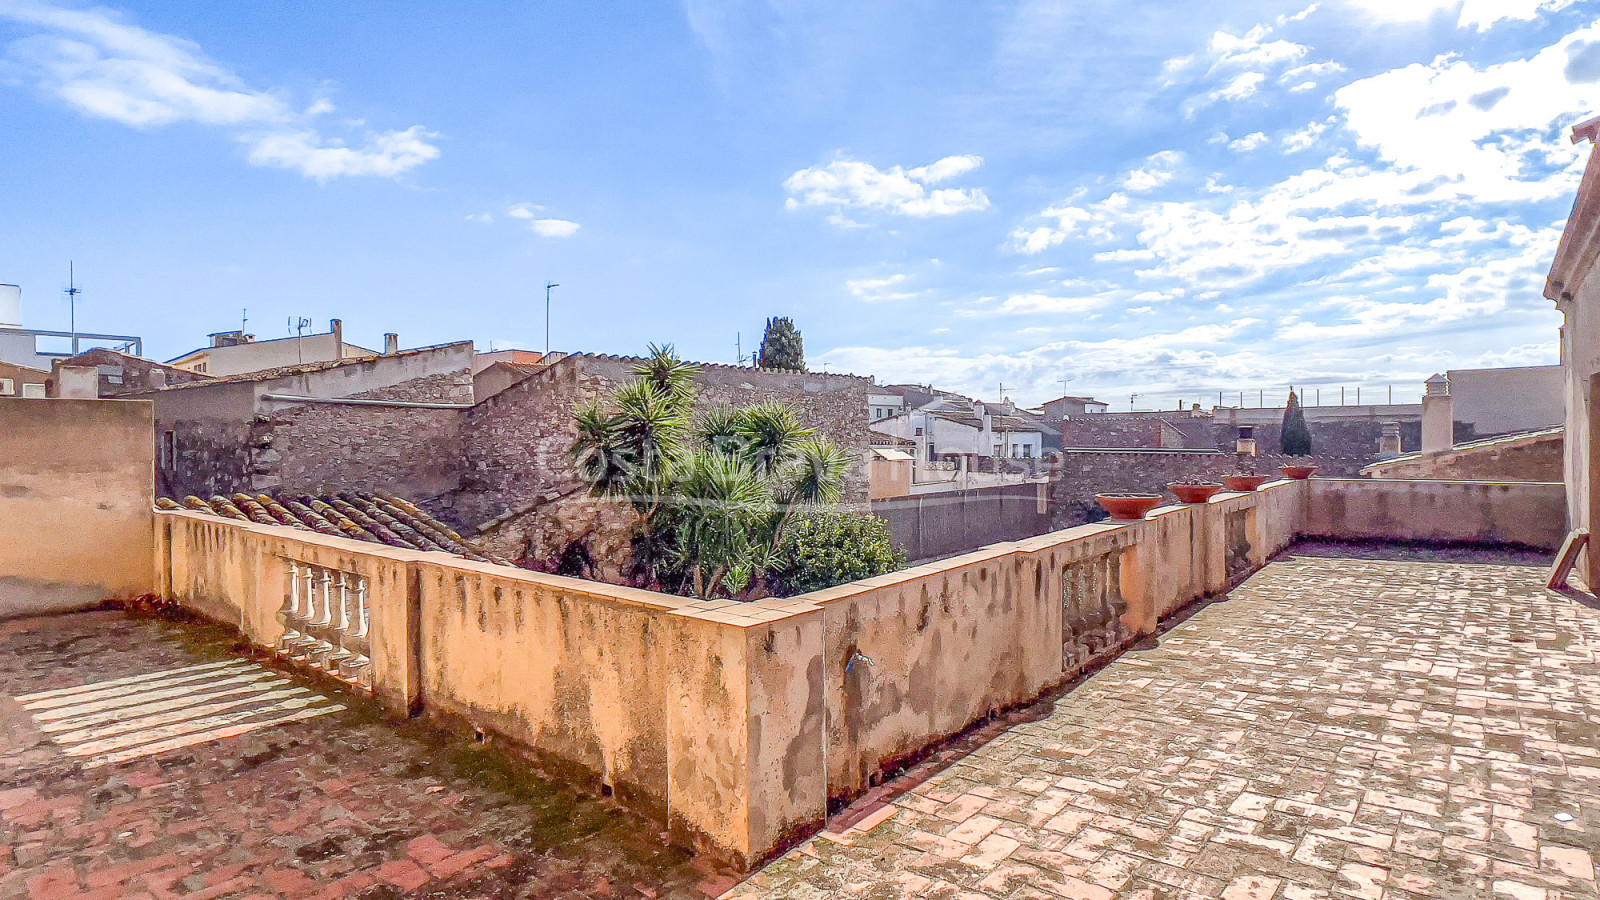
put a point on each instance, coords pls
(289, 614)
(339, 655)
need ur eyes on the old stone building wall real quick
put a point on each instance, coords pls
(226, 435)
(1534, 457)
(1354, 438)
(414, 452)
(519, 485)
(1077, 475)
(122, 374)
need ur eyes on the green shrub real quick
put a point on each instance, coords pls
(823, 548)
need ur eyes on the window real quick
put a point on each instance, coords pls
(169, 447)
(33, 391)
(919, 432)
(1027, 451)
(200, 367)
(7, 387)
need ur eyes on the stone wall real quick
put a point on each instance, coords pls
(519, 486)
(1354, 438)
(416, 453)
(226, 435)
(1077, 475)
(76, 504)
(1519, 458)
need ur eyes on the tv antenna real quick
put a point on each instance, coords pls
(72, 293)
(547, 286)
(1131, 398)
(299, 324)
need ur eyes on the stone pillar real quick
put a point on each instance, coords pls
(1389, 441)
(1438, 420)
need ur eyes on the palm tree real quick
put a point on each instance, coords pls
(715, 492)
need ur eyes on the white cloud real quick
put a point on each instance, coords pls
(555, 228)
(1239, 87)
(847, 184)
(1252, 50)
(1248, 142)
(1042, 237)
(1304, 138)
(100, 65)
(1158, 170)
(1450, 129)
(877, 290)
(1031, 303)
(525, 211)
(1479, 15)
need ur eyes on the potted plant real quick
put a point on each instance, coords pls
(1127, 505)
(1244, 482)
(1194, 491)
(1298, 473)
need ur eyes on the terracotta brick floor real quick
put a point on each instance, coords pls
(1340, 727)
(343, 805)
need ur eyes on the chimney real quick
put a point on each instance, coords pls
(337, 327)
(391, 343)
(1389, 441)
(1438, 420)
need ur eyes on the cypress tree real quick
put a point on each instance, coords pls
(781, 346)
(1294, 439)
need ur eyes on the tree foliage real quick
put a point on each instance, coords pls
(825, 547)
(715, 493)
(782, 346)
(1294, 438)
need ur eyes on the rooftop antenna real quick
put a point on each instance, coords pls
(72, 305)
(1131, 398)
(547, 286)
(299, 324)
(244, 320)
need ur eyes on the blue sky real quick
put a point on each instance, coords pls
(1160, 199)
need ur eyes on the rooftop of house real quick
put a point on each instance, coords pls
(303, 368)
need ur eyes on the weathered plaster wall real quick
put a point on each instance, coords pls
(740, 721)
(75, 503)
(1471, 512)
(651, 694)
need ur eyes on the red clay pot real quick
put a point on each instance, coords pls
(1244, 482)
(1194, 491)
(1298, 473)
(1127, 506)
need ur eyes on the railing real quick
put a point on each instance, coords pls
(326, 622)
(1092, 607)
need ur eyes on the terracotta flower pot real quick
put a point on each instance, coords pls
(1244, 482)
(1128, 506)
(1194, 491)
(1298, 473)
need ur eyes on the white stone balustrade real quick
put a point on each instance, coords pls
(326, 620)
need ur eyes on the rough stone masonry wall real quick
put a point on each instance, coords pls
(1533, 459)
(1077, 475)
(325, 448)
(318, 448)
(519, 487)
